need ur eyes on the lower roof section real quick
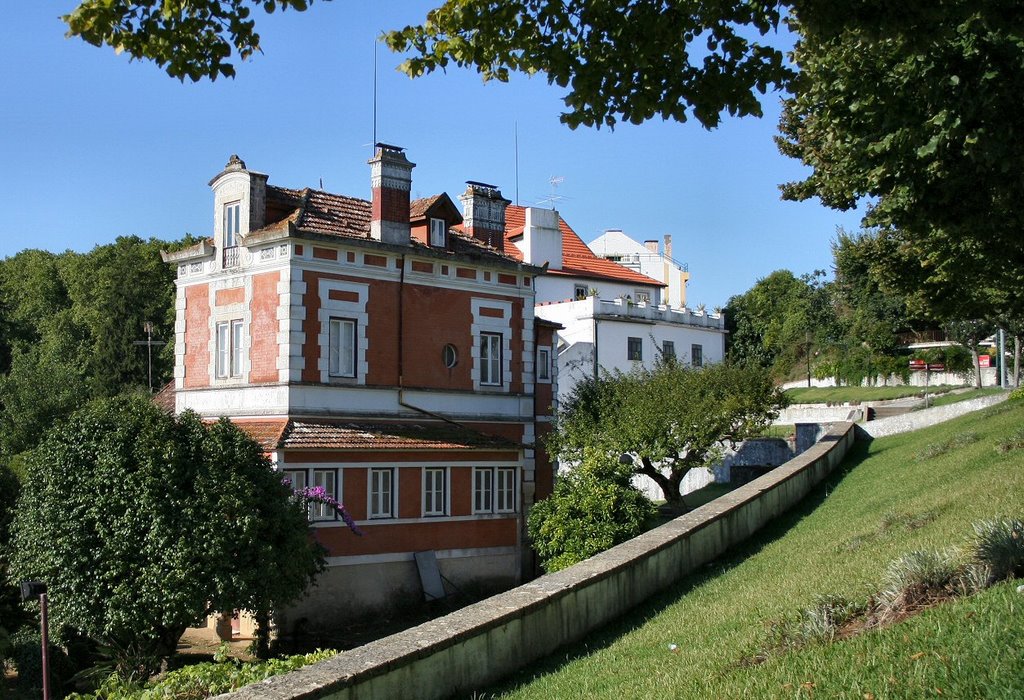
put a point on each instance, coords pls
(312, 434)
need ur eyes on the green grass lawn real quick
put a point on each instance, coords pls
(897, 494)
(964, 396)
(846, 394)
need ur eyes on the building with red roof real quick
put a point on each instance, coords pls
(386, 350)
(612, 317)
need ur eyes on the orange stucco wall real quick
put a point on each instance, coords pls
(197, 336)
(263, 350)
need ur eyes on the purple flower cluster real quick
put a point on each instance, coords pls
(318, 494)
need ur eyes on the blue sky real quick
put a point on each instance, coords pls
(93, 146)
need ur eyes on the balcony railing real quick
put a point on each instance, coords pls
(232, 257)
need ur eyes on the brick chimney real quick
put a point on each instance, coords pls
(483, 213)
(652, 246)
(391, 180)
(668, 246)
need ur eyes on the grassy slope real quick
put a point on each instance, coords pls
(838, 541)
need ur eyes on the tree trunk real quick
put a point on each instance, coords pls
(669, 484)
(977, 366)
(262, 641)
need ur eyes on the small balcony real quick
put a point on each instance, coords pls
(231, 257)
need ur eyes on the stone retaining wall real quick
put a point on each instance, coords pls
(478, 645)
(927, 416)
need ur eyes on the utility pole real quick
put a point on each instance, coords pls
(149, 343)
(810, 339)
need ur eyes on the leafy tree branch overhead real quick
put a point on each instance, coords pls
(192, 39)
(910, 105)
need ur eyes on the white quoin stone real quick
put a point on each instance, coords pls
(542, 241)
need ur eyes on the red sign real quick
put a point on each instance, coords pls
(937, 367)
(917, 364)
(984, 361)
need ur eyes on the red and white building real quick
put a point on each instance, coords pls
(387, 350)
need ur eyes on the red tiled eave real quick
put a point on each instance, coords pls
(273, 434)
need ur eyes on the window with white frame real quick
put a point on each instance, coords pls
(494, 489)
(328, 480)
(642, 295)
(634, 348)
(697, 355)
(229, 349)
(382, 493)
(296, 479)
(232, 226)
(438, 233)
(580, 291)
(505, 501)
(543, 364)
(342, 362)
(668, 350)
(490, 359)
(435, 491)
(483, 490)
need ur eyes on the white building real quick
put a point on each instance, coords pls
(646, 259)
(612, 316)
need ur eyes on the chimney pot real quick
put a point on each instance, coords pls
(391, 182)
(483, 213)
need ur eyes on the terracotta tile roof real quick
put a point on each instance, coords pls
(274, 434)
(348, 217)
(386, 436)
(267, 432)
(577, 259)
(418, 207)
(164, 399)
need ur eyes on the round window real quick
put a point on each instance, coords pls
(450, 355)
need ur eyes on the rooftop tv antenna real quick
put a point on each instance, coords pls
(554, 197)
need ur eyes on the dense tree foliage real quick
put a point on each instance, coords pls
(668, 419)
(193, 39)
(68, 323)
(141, 524)
(594, 507)
(923, 120)
(780, 319)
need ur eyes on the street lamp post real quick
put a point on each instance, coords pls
(32, 590)
(810, 339)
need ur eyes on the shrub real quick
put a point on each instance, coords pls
(28, 659)
(141, 523)
(588, 512)
(202, 680)
(1014, 442)
(820, 622)
(916, 578)
(999, 545)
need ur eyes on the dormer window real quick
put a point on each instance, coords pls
(232, 225)
(438, 233)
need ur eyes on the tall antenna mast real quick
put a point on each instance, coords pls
(374, 140)
(516, 131)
